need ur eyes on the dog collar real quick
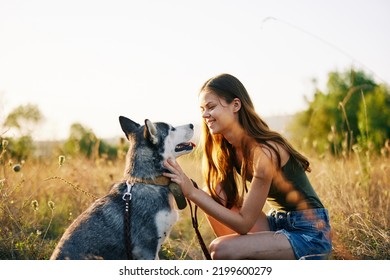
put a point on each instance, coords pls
(159, 180)
(174, 188)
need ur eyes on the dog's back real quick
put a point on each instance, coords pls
(98, 233)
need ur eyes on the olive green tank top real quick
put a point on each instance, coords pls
(294, 173)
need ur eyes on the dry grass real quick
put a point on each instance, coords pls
(39, 201)
(359, 204)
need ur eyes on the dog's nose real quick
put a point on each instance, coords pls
(191, 126)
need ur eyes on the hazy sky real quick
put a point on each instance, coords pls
(90, 61)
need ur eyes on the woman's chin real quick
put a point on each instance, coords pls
(213, 131)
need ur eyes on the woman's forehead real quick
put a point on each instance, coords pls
(208, 96)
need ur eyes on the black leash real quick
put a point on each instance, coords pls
(127, 198)
(195, 225)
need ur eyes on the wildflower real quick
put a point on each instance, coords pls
(34, 205)
(61, 160)
(16, 167)
(51, 205)
(356, 148)
(4, 144)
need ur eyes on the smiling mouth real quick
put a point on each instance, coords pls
(209, 123)
(185, 146)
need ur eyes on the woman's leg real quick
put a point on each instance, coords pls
(266, 245)
(260, 243)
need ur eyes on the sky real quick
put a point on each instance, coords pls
(90, 61)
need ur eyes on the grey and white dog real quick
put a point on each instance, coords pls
(99, 232)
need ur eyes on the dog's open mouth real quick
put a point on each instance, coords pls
(185, 146)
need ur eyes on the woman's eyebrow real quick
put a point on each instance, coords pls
(203, 106)
(206, 105)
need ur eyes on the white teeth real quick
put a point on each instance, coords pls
(210, 122)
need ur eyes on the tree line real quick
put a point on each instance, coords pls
(353, 111)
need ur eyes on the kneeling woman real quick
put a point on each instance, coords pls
(237, 143)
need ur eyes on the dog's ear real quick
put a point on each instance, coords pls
(128, 126)
(150, 132)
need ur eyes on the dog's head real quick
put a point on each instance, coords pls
(153, 143)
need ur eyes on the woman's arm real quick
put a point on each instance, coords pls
(242, 221)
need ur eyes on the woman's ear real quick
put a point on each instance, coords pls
(236, 105)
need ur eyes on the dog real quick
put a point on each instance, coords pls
(100, 231)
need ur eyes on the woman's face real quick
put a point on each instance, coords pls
(218, 115)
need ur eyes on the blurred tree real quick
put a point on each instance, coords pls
(83, 141)
(374, 117)
(22, 120)
(21, 148)
(353, 109)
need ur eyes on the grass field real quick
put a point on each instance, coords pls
(40, 198)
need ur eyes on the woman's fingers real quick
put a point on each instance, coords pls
(175, 170)
(177, 175)
(168, 164)
(169, 175)
(172, 166)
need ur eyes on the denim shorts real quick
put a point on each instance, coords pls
(308, 231)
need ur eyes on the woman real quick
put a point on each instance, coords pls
(239, 148)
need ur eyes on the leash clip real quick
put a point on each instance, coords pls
(127, 195)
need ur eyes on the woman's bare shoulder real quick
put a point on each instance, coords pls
(265, 150)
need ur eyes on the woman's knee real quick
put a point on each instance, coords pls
(219, 249)
(214, 247)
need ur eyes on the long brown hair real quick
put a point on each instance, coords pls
(219, 157)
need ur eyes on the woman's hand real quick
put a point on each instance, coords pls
(178, 176)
